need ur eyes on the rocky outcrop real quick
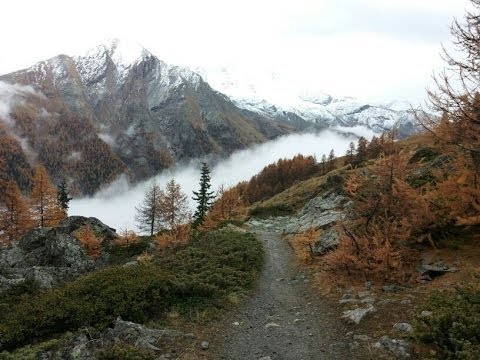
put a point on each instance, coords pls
(72, 223)
(53, 255)
(429, 271)
(320, 213)
(401, 349)
(356, 315)
(327, 241)
(82, 346)
(137, 335)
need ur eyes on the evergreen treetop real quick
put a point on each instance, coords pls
(203, 197)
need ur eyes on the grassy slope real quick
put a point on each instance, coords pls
(204, 275)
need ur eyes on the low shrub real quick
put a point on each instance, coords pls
(233, 222)
(275, 210)
(121, 252)
(421, 179)
(454, 324)
(424, 154)
(124, 352)
(200, 275)
(335, 183)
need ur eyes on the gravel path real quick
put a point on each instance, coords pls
(284, 319)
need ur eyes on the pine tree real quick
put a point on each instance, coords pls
(350, 153)
(362, 146)
(331, 161)
(323, 164)
(63, 195)
(174, 209)
(46, 209)
(15, 215)
(203, 197)
(148, 213)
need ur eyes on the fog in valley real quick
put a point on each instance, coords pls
(115, 205)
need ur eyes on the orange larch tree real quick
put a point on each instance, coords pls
(174, 210)
(15, 216)
(227, 203)
(45, 206)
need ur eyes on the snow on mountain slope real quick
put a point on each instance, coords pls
(271, 94)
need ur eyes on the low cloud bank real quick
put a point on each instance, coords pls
(115, 205)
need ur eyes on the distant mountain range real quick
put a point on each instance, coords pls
(118, 109)
(272, 95)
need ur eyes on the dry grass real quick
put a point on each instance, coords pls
(126, 238)
(406, 304)
(89, 240)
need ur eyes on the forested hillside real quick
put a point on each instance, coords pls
(93, 117)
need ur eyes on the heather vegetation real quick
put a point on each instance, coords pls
(190, 280)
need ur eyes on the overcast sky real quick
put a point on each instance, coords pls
(363, 48)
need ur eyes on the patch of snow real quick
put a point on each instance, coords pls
(107, 138)
(75, 156)
(130, 130)
(124, 54)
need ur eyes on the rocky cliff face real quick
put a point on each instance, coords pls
(53, 255)
(122, 107)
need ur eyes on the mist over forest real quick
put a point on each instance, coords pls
(115, 204)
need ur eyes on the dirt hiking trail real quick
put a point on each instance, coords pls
(284, 319)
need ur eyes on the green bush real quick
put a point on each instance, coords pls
(124, 352)
(28, 286)
(334, 182)
(454, 325)
(234, 222)
(199, 275)
(425, 154)
(122, 253)
(275, 210)
(422, 178)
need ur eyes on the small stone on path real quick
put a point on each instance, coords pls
(271, 324)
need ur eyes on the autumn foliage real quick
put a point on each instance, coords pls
(276, 177)
(89, 240)
(46, 209)
(227, 206)
(173, 238)
(15, 215)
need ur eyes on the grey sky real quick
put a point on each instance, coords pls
(370, 48)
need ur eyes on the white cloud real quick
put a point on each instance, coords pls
(115, 205)
(11, 95)
(326, 42)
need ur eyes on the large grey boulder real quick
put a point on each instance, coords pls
(137, 335)
(52, 247)
(53, 255)
(327, 241)
(11, 256)
(401, 349)
(327, 201)
(82, 346)
(356, 315)
(73, 223)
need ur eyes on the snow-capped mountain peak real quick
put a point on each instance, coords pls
(123, 53)
(270, 94)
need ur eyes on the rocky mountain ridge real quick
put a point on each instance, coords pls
(123, 108)
(274, 96)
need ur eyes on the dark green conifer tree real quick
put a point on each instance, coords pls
(203, 197)
(63, 195)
